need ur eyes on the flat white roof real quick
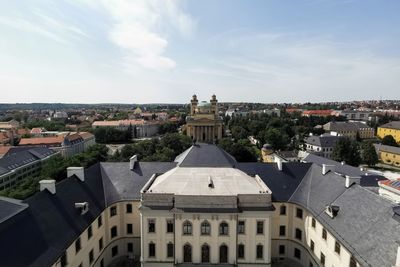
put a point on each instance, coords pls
(195, 181)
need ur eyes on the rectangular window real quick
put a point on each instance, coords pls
(113, 211)
(313, 223)
(78, 245)
(337, 247)
(241, 226)
(311, 264)
(282, 230)
(102, 263)
(170, 250)
(91, 256)
(170, 226)
(99, 221)
(322, 259)
(151, 225)
(312, 245)
(100, 244)
(241, 251)
(114, 231)
(129, 228)
(297, 253)
(89, 232)
(152, 250)
(282, 249)
(324, 234)
(299, 213)
(260, 251)
(260, 227)
(114, 251)
(130, 247)
(128, 208)
(282, 210)
(298, 234)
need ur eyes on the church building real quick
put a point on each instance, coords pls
(204, 124)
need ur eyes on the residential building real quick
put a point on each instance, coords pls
(68, 144)
(317, 113)
(9, 125)
(388, 154)
(392, 128)
(202, 209)
(19, 164)
(390, 189)
(321, 145)
(60, 115)
(204, 124)
(355, 115)
(140, 127)
(350, 129)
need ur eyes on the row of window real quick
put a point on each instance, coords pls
(113, 210)
(299, 212)
(205, 227)
(205, 252)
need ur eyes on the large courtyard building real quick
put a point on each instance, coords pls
(203, 209)
(392, 128)
(204, 124)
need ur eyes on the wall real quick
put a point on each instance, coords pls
(382, 132)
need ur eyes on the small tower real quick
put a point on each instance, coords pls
(214, 106)
(193, 105)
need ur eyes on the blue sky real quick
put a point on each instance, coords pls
(147, 51)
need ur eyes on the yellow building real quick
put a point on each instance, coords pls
(388, 154)
(204, 124)
(391, 128)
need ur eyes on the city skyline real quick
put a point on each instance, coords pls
(162, 51)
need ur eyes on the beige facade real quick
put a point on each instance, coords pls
(204, 124)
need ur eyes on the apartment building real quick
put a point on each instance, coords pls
(17, 164)
(388, 154)
(202, 209)
(350, 129)
(392, 128)
(140, 127)
(321, 145)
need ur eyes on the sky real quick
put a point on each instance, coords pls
(164, 51)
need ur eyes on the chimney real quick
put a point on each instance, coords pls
(210, 182)
(50, 185)
(78, 171)
(326, 168)
(278, 162)
(350, 180)
(332, 210)
(398, 256)
(132, 162)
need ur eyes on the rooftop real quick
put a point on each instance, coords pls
(391, 125)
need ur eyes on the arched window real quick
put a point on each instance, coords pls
(240, 251)
(187, 228)
(187, 253)
(259, 251)
(205, 253)
(223, 254)
(205, 228)
(223, 228)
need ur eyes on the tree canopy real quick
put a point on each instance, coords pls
(348, 151)
(389, 140)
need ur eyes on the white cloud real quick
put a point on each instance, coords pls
(140, 29)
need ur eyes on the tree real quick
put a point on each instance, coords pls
(239, 132)
(348, 151)
(242, 151)
(369, 155)
(276, 138)
(389, 140)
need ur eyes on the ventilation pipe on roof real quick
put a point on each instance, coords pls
(278, 162)
(78, 171)
(332, 210)
(50, 185)
(398, 256)
(132, 162)
(210, 182)
(350, 180)
(326, 168)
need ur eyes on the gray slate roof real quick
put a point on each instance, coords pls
(385, 148)
(23, 157)
(344, 126)
(205, 155)
(323, 140)
(391, 125)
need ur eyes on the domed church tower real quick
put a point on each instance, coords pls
(204, 125)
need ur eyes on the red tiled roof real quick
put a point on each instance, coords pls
(318, 112)
(41, 140)
(4, 149)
